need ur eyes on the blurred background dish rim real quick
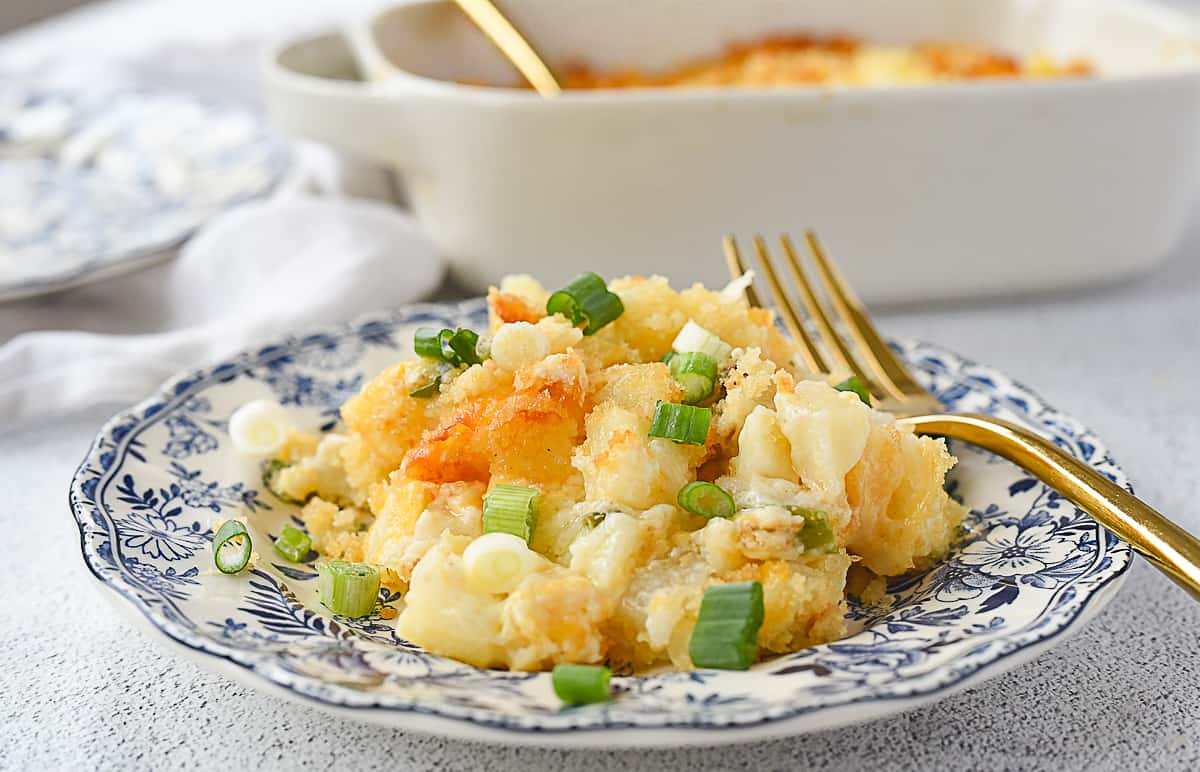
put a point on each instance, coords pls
(262, 152)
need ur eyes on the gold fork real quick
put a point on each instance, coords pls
(1171, 549)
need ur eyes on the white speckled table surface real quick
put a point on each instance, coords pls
(82, 689)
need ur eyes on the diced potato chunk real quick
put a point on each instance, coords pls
(444, 614)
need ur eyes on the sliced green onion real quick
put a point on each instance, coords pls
(427, 343)
(696, 373)
(681, 423)
(510, 509)
(586, 301)
(855, 384)
(693, 337)
(293, 543)
(348, 589)
(463, 343)
(231, 547)
(581, 684)
(258, 428)
(444, 338)
(726, 632)
(816, 534)
(270, 478)
(593, 519)
(706, 499)
(428, 390)
(438, 375)
(455, 347)
(498, 562)
(667, 357)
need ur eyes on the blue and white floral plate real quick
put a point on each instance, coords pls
(97, 181)
(1029, 569)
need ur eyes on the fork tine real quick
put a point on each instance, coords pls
(834, 346)
(733, 261)
(890, 373)
(792, 320)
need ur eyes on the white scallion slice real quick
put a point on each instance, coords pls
(693, 337)
(497, 562)
(258, 428)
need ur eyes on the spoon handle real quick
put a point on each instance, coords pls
(500, 31)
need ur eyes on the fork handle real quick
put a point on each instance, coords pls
(1170, 548)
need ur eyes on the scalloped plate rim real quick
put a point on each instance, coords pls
(835, 717)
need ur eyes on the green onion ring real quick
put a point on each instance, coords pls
(293, 544)
(708, 500)
(463, 343)
(510, 509)
(227, 562)
(696, 372)
(581, 684)
(586, 301)
(427, 344)
(680, 423)
(726, 631)
(349, 589)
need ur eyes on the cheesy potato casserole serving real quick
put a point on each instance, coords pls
(621, 473)
(792, 60)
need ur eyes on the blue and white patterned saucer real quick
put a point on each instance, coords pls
(102, 181)
(1029, 569)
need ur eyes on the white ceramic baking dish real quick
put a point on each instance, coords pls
(922, 192)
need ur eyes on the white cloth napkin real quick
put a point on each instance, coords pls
(253, 273)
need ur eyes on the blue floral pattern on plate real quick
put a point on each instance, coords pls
(1029, 565)
(99, 180)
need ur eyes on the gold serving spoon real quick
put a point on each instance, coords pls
(500, 31)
